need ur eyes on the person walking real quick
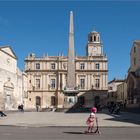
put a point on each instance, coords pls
(37, 108)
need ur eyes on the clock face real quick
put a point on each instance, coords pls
(94, 49)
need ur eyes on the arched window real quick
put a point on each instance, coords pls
(94, 38)
(90, 38)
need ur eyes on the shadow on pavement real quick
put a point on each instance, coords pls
(124, 117)
(81, 133)
(127, 120)
(74, 132)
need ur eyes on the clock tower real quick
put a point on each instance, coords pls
(94, 45)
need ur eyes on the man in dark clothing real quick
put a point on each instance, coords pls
(2, 114)
(20, 108)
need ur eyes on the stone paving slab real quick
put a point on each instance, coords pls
(43, 119)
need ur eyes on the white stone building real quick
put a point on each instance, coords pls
(47, 77)
(11, 85)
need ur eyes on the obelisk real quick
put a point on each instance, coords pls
(71, 57)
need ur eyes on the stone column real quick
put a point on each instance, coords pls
(71, 57)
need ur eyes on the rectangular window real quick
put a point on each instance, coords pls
(97, 83)
(97, 66)
(82, 66)
(52, 83)
(37, 83)
(52, 65)
(37, 66)
(82, 83)
(134, 61)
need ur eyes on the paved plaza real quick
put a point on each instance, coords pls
(45, 119)
(66, 133)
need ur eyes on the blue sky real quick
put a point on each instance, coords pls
(42, 27)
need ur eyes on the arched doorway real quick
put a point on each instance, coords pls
(38, 101)
(8, 93)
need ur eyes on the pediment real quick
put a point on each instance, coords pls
(9, 84)
(8, 50)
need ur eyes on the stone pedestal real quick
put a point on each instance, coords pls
(70, 98)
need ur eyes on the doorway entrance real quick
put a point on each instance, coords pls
(38, 101)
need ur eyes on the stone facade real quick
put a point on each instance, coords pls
(11, 86)
(47, 77)
(133, 78)
(122, 92)
(114, 91)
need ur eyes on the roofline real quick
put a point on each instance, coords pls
(116, 80)
(8, 46)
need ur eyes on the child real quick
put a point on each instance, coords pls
(94, 110)
(90, 122)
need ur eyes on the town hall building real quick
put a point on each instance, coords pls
(62, 81)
